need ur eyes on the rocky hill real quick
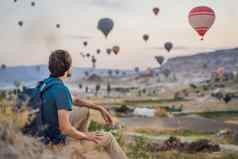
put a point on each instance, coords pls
(186, 68)
(203, 64)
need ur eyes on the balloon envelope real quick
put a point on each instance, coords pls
(88, 55)
(201, 19)
(156, 10)
(98, 51)
(116, 49)
(33, 3)
(85, 43)
(159, 59)
(146, 37)
(109, 51)
(105, 25)
(94, 60)
(20, 23)
(168, 46)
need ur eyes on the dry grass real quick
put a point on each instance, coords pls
(14, 145)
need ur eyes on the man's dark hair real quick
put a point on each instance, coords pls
(60, 61)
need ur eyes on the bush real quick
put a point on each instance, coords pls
(95, 126)
(138, 149)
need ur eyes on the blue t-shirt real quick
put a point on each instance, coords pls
(55, 98)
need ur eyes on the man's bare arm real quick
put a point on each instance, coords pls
(105, 113)
(84, 103)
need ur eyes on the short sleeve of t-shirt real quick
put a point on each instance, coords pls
(63, 98)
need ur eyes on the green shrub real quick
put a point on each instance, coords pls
(95, 126)
(138, 149)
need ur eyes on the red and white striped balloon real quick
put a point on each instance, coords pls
(201, 19)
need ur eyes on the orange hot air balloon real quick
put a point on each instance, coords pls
(201, 19)
(156, 10)
(116, 49)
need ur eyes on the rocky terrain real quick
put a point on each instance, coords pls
(203, 64)
(197, 67)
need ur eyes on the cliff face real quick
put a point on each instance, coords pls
(201, 65)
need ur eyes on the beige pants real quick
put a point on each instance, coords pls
(79, 118)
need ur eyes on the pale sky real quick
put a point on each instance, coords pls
(32, 43)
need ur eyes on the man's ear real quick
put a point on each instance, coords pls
(68, 74)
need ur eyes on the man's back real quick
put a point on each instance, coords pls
(55, 98)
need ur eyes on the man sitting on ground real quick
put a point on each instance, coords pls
(64, 121)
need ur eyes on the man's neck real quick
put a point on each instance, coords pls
(61, 78)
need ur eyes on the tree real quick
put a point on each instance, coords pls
(139, 93)
(117, 72)
(86, 73)
(108, 89)
(154, 92)
(109, 73)
(144, 91)
(80, 86)
(86, 89)
(98, 87)
(137, 69)
(18, 85)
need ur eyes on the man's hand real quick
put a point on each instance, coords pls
(93, 137)
(106, 115)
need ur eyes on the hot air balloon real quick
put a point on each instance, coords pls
(94, 61)
(88, 55)
(57, 25)
(156, 10)
(168, 46)
(98, 51)
(159, 59)
(82, 54)
(105, 25)
(85, 43)
(201, 19)
(20, 23)
(109, 51)
(116, 49)
(33, 3)
(146, 37)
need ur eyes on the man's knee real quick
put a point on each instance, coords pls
(79, 115)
